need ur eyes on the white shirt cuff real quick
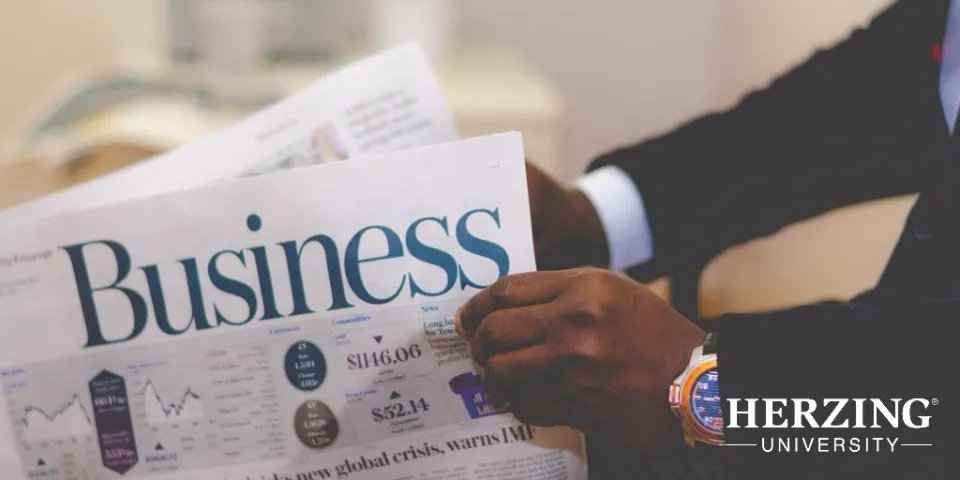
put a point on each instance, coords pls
(618, 203)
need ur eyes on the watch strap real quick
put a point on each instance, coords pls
(710, 344)
(709, 454)
(705, 446)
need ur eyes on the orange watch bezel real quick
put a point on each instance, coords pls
(686, 414)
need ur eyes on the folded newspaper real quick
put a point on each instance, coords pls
(296, 325)
(387, 102)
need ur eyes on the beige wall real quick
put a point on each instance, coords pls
(766, 37)
(42, 41)
(628, 68)
(633, 68)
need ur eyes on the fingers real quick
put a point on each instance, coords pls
(511, 329)
(541, 405)
(512, 291)
(527, 378)
(513, 371)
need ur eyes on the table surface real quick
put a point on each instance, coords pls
(23, 181)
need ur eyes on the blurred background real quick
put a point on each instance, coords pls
(80, 83)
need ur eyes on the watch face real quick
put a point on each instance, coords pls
(705, 403)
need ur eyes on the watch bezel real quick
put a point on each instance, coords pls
(701, 433)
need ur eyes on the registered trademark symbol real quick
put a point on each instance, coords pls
(935, 401)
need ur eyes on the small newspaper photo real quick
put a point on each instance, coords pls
(296, 325)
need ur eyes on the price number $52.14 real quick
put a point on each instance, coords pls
(399, 410)
(383, 358)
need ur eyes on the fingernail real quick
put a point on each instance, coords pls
(458, 323)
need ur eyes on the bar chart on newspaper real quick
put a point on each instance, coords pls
(196, 405)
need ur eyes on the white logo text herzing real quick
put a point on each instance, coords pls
(833, 413)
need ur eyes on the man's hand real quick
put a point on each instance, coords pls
(586, 348)
(566, 229)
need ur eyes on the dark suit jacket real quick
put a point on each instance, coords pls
(860, 121)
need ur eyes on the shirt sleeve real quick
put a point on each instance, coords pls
(620, 207)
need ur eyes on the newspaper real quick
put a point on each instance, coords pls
(296, 325)
(386, 102)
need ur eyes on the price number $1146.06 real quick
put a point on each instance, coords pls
(383, 358)
(399, 410)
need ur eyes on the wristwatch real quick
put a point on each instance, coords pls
(695, 397)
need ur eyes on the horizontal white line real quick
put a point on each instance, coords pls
(916, 444)
(741, 444)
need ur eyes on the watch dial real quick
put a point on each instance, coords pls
(705, 403)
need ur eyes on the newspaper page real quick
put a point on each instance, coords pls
(383, 103)
(296, 325)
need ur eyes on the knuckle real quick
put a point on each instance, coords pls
(501, 292)
(591, 274)
(594, 297)
(588, 311)
(601, 280)
(495, 371)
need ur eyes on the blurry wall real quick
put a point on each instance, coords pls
(628, 68)
(634, 68)
(765, 37)
(42, 42)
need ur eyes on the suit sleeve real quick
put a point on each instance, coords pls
(846, 126)
(842, 351)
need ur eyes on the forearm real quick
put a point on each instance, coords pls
(822, 136)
